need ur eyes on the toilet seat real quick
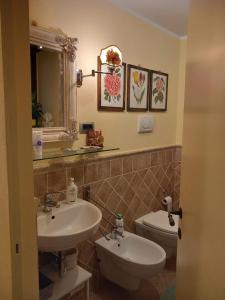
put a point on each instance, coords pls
(159, 220)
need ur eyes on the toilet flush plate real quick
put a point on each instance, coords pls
(145, 124)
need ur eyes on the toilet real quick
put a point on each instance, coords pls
(129, 259)
(155, 227)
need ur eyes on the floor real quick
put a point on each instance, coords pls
(149, 290)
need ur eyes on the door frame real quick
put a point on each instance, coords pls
(19, 204)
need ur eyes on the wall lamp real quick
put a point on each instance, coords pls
(110, 56)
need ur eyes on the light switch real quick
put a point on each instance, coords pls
(87, 126)
(145, 124)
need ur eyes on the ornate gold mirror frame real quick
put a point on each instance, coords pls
(57, 41)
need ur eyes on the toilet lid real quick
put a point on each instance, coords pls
(159, 220)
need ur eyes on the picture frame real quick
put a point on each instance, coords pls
(159, 91)
(137, 88)
(111, 90)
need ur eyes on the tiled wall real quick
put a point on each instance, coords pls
(132, 184)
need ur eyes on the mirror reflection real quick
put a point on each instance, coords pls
(47, 83)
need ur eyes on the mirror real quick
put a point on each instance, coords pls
(47, 87)
(53, 85)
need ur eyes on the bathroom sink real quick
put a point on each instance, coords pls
(65, 227)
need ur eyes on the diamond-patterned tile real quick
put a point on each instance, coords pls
(129, 176)
(136, 181)
(142, 173)
(122, 207)
(148, 199)
(128, 195)
(121, 186)
(113, 202)
(113, 180)
(142, 190)
(154, 186)
(132, 185)
(159, 174)
(135, 203)
(104, 191)
(148, 177)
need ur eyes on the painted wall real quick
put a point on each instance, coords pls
(98, 24)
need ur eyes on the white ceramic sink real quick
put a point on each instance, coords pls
(67, 226)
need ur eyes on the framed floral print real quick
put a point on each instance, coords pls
(137, 88)
(159, 88)
(111, 88)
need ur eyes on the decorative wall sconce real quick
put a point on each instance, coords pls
(110, 56)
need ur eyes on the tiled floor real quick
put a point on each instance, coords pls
(149, 290)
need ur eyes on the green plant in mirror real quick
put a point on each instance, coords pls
(37, 111)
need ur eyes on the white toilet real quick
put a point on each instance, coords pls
(155, 226)
(128, 260)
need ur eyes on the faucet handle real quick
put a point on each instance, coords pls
(49, 197)
(51, 200)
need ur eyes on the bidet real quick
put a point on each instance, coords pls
(135, 258)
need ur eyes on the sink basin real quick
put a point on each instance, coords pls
(67, 226)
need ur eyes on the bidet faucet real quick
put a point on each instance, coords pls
(50, 201)
(115, 234)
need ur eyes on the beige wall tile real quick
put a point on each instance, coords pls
(103, 169)
(116, 167)
(90, 172)
(104, 191)
(56, 181)
(139, 161)
(128, 195)
(121, 186)
(77, 172)
(40, 184)
(127, 164)
(113, 202)
(154, 158)
(136, 181)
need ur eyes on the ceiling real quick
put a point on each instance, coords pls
(169, 15)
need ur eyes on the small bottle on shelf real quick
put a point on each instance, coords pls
(71, 193)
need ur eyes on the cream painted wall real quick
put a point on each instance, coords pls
(97, 24)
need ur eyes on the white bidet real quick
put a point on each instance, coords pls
(131, 259)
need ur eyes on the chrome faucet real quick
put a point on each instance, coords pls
(51, 201)
(116, 233)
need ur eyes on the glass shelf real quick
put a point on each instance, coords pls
(69, 153)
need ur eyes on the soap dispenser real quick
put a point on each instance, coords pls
(119, 223)
(71, 193)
